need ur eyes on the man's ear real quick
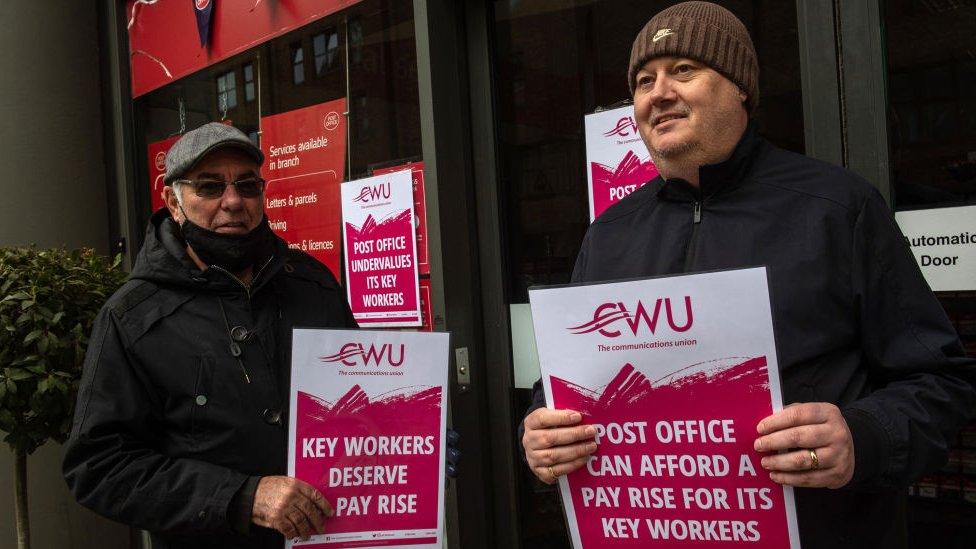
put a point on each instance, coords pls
(173, 205)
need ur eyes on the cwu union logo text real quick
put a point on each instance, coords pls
(358, 355)
(612, 318)
(625, 127)
(370, 193)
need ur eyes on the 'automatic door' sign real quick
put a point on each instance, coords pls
(944, 243)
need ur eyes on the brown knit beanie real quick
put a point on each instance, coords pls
(703, 31)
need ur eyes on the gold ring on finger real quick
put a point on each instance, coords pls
(553, 474)
(814, 460)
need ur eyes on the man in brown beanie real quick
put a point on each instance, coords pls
(874, 374)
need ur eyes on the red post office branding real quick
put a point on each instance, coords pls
(156, 152)
(304, 166)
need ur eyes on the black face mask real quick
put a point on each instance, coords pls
(233, 252)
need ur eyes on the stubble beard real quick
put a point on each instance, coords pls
(675, 156)
(674, 151)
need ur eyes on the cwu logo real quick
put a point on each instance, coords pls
(610, 316)
(355, 354)
(373, 192)
(625, 128)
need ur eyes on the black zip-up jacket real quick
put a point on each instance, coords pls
(856, 325)
(168, 434)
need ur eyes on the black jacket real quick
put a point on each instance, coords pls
(855, 323)
(167, 431)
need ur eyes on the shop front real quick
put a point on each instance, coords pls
(494, 106)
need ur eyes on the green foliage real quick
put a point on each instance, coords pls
(49, 302)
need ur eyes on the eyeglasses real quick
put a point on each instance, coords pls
(211, 188)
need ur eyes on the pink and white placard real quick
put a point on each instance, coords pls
(617, 162)
(675, 373)
(366, 428)
(381, 250)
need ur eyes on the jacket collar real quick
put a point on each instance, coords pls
(163, 259)
(718, 178)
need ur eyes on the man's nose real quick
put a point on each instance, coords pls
(663, 91)
(231, 199)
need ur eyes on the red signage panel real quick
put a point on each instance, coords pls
(157, 169)
(305, 152)
(166, 41)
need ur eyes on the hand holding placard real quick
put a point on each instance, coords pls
(290, 506)
(555, 445)
(817, 426)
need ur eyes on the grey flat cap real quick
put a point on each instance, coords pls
(195, 144)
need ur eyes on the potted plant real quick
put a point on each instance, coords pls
(48, 303)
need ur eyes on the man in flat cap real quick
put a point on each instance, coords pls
(874, 374)
(179, 427)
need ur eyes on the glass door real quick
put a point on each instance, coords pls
(931, 73)
(555, 62)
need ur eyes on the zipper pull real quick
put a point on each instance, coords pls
(247, 378)
(698, 211)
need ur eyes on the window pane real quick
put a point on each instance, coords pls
(249, 91)
(298, 62)
(356, 40)
(318, 44)
(221, 83)
(249, 73)
(333, 48)
(931, 102)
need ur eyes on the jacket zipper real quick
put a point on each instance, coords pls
(247, 292)
(692, 251)
(247, 289)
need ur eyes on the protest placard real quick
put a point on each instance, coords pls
(366, 428)
(675, 373)
(381, 250)
(617, 161)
